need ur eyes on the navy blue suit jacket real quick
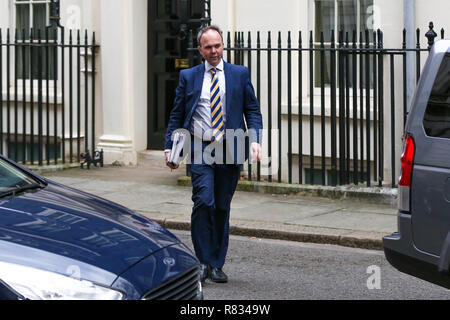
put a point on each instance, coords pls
(241, 103)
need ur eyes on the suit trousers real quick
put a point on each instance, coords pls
(213, 187)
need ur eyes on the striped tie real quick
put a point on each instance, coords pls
(216, 108)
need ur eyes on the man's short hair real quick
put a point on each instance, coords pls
(205, 29)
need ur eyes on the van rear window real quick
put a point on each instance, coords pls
(437, 116)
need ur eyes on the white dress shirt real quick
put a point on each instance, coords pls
(201, 119)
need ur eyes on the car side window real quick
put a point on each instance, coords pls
(10, 176)
(437, 116)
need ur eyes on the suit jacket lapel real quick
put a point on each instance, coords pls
(228, 82)
(198, 85)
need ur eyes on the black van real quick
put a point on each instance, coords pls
(421, 247)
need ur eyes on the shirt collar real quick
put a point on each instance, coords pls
(209, 67)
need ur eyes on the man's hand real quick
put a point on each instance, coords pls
(170, 164)
(255, 152)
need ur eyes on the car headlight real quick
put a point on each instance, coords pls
(35, 284)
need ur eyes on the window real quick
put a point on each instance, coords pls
(346, 15)
(13, 146)
(317, 176)
(437, 117)
(31, 16)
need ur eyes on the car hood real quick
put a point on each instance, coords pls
(78, 227)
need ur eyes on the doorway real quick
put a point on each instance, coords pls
(168, 25)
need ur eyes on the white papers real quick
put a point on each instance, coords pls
(177, 148)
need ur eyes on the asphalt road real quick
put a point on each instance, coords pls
(262, 269)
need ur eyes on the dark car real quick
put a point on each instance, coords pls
(421, 247)
(60, 243)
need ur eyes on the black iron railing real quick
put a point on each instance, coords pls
(339, 129)
(48, 95)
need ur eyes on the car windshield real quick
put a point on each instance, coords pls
(12, 178)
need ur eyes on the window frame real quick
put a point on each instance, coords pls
(428, 116)
(316, 44)
(13, 13)
(29, 3)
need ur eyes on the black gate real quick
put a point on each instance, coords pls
(168, 24)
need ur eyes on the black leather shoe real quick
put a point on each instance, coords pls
(217, 275)
(204, 272)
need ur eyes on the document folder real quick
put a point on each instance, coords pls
(177, 148)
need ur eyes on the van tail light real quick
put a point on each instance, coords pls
(407, 162)
(404, 183)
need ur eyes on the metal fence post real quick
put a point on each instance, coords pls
(300, 108)
(322, 106)
(431, 35)
(334, 168)
(341, 76)
(311, 108)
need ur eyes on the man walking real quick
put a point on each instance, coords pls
(212, 100)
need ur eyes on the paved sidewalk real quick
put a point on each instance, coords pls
(153, 190)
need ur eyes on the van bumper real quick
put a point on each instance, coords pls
(402, 254)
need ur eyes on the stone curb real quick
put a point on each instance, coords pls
(346, 240)
(52, 168)
(374, 195)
